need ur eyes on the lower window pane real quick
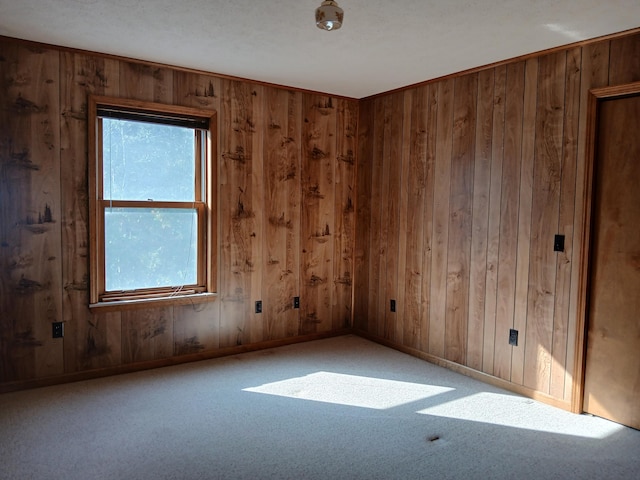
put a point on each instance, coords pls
(150, 247)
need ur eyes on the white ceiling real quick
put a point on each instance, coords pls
(382, 45)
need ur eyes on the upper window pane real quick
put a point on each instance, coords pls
(147, 161)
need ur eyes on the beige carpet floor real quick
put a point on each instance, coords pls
(340, 408)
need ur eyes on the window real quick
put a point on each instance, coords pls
(151, 192)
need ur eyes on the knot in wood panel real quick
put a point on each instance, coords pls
(27, 286)
(317, 154)
(348, 158)
(237, 156)
(315, 280)
(313, 191)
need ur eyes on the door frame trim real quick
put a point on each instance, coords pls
(596, 95)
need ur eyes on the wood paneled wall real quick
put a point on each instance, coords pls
(462, 185)
(286, 173)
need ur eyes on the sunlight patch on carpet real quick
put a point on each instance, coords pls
(518, 412)
(351, 390)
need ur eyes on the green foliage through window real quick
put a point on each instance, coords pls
(151, 229)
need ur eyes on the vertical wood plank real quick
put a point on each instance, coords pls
(97, 340)
(524, 218)
(480, 220)
(278, 174)
(544, 220)
(493, 238)
(375, 248)
(237, 212)
(566, 218)
(363, 232)
(346, 138)
(147, 334)
(460, 217)
(415, 164)
(440, 243)
(195, 328)
(144, 82)
(318, 201)
(294, 203)
(255, 195)
(381, 299)
(403, 205)
(282, 212)
(428, 217)
(624, 63)
(196, 91)
(392, 171)
(509, 218)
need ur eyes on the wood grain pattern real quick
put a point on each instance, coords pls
(624, 60)
(480, 219)
(91, 341)
(612, 379)
(386, 256)
(566, 214)
(44, 215)
(524, 218)
(318, 214)
(441, 197)
(410, 135)
(375, 248)
(196, 328)
(415, 164)
(428, 231)
(525, 184)
(294, 205)
(237, 213)
(392, 174)
(345, 167)
(253, 226)
(509, 209)
(146, 82)
(31, 193)
(594, 73)
(282, 212)
(147, 334)
(403, 220)
(96, 338)
(544, 221)
(362, 252)
(493, 240)
(460, 217)
(197, 91)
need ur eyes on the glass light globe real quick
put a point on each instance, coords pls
(329, 16)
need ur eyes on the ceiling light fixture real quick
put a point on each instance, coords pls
(329, 16)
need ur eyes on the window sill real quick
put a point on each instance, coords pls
(120, 305)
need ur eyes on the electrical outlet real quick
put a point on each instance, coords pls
(296, 302)
(259, 306)
(393, 306)
(513, 337)
(558, 243)
(57, 330)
